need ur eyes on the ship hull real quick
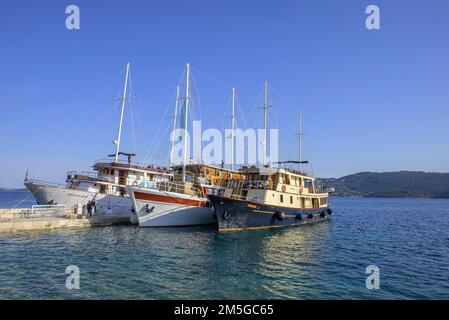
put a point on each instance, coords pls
(105, 204)
(156, 208)
(235, 215)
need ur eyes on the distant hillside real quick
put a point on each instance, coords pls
(402, 184)
(14, 190)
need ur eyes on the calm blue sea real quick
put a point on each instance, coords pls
(407, 239)
(16, 200)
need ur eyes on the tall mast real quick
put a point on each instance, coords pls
(174, 126)
(117, 149)
(232, 128)
(265, 106)
(186, 113)
(299, 141)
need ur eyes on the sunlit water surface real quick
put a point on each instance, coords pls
(407, 239)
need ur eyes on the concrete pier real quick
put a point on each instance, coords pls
(25, 219)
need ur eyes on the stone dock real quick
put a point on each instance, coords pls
(31, 219)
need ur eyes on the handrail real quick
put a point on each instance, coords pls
(136, 165)
(45, 182)
(177, 187)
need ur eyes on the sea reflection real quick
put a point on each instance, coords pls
(321, 261)
(291, 258)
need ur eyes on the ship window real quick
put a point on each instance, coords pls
(308, 183)
(291, 199)
(282, 198)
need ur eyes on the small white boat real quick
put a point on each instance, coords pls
(156, 207)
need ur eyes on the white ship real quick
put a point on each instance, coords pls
(101, 192)
(182, 201)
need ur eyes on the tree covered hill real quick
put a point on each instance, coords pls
(403, 184)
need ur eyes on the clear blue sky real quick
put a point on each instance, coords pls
(371, 100)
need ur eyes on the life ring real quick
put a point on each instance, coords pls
(226, 215)
(283, 188)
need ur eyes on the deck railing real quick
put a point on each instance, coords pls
(178, 187)
(124, 164)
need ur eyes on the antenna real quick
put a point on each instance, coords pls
(117, 149)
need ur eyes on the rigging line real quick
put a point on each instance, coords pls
(131, 109)
(280, 96)
(105, 117)
(252, 120)
(131, 103)
(83, 118)
(155, 149)
(145, 159)
(241, 114)
(225, 115)
(156, 134)
(140, 133)
(111, 126)
(211, 78)
(103, 94)
(29, 196)
(198, 95)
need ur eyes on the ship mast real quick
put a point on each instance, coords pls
(186, 113)
(117, 149)
(232, 128)
(299, 141)
(174, 126)
(265, 106)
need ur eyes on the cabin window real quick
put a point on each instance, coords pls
(323, 201)
(291, 199)
(282, 198)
